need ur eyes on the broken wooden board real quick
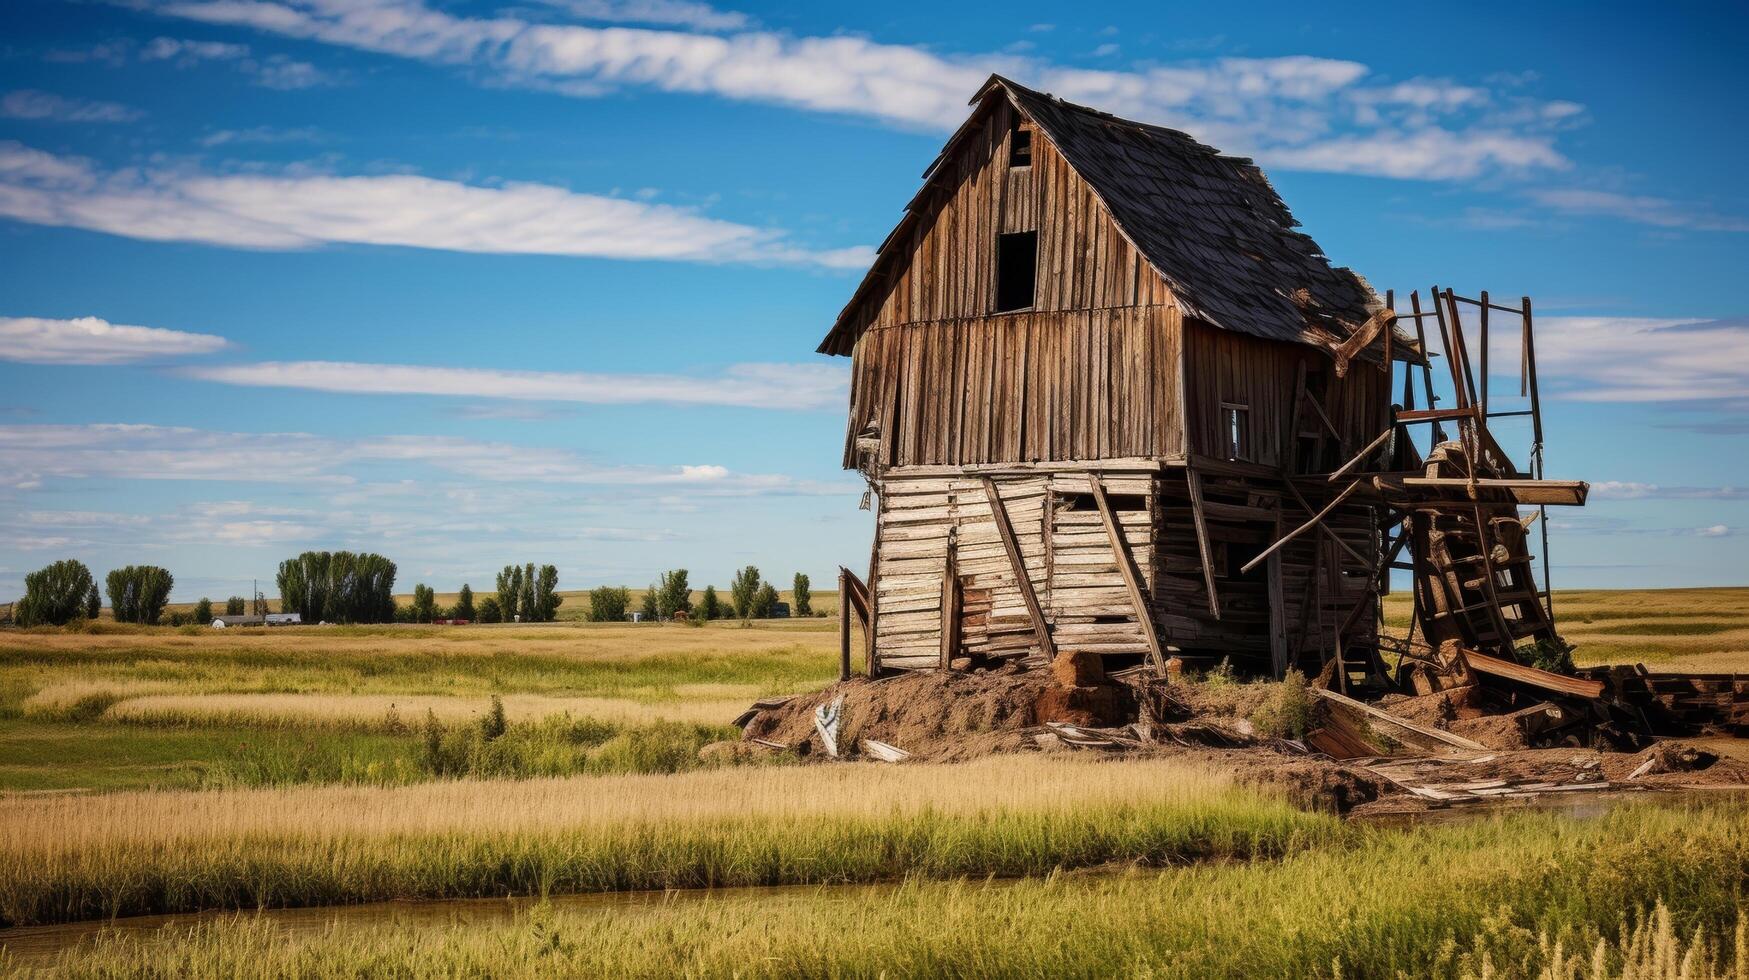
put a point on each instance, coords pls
(1433, 733)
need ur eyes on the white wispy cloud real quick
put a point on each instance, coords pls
(699, 16)
(783, 386)
(1657, 211)
(30, 455)
(1630, 490)
(92, 340)
(47, 106)
(1643, 359)
(1282, 110)
(296, 211)
(276, 71)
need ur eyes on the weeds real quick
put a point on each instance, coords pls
(1287, 711)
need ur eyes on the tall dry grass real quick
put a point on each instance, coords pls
(1645, 892)
(68, 858)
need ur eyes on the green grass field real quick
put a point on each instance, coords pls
(174, 770)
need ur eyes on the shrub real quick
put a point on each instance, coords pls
(649, 606)
(203, 612)
(234, 606)
(464, 604)
(493, 725)
(490, 610)
(1287, 711)
(56, 595)
(1554, 655)
(607, 604)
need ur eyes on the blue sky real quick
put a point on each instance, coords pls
(474, 283)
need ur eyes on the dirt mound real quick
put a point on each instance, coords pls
(944, 715)
(1494, 731)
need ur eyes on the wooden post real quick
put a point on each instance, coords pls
(1194, 480)
(1126, 564)
(1536, 457)
(1484, 342)
(1017, 562)
(843, 625)
(1277, 612)
(950, 606)
(1426, 363)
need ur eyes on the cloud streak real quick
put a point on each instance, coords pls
(48, 107)
(1296, 111)
(1643, 359)
(780, 386)
(92, 340)
(300, 211)
(1656, 211)
(32, 455)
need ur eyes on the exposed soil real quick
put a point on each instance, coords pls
(950, 716)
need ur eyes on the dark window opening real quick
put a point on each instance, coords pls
(1016, 270)
(1237, 554)
(1020, 147)
(1236, 422)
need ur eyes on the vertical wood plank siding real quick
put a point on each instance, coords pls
(1221, 366)
(1086, 373)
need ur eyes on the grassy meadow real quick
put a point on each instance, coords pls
(161, 770)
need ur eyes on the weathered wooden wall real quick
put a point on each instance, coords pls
(946, 268)
(1089, 372)
(1067, 555)
(1263, 375)
(1095, 384)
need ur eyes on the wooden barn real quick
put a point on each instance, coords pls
(1107, 398)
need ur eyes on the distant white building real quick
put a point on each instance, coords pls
(285, 619)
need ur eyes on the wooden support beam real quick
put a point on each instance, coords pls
(1316, 521)
(843, 625)
(1433, 733)
(1578, 687)
(950, 605)
(1434, 414)
(1017, 562)
(1567, 493)
(1358, 457)
(1126, 564)
(1278, 656)
(857, 597)
(1301, 500)
(1193, 479)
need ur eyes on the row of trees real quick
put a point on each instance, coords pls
(750, 597)
(59, 593)
(338, 587)
(343, 587)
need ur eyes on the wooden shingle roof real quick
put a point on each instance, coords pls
(1210, 225)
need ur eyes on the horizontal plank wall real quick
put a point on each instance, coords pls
(1067, 558)
(1024, 387)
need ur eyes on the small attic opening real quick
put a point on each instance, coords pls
(1020, 145)
(1016, 270)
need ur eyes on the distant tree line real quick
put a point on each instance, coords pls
(347, 587)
